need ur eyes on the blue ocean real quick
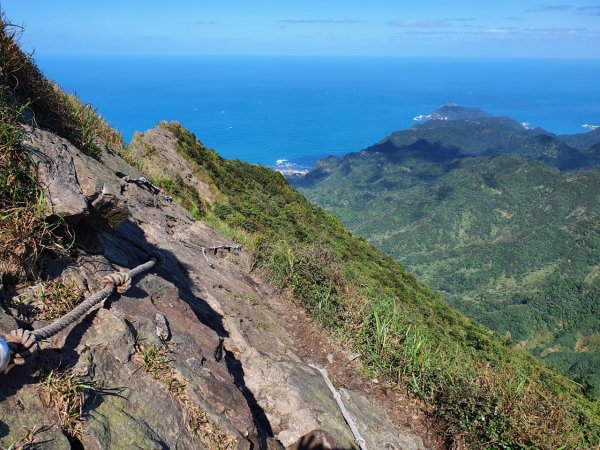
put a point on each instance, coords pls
(265, 109)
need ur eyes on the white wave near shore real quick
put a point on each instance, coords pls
(289, 169)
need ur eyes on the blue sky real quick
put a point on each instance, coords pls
(507, 28)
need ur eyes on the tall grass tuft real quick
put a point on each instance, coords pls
(45, 104)
(22, 228)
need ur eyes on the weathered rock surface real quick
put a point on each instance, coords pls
(228, 351)
(23, 416)
(53, 157)
(376, 429)
(158, 146)
(75, 185)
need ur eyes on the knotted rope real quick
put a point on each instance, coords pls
(120, 280)
(23, 342)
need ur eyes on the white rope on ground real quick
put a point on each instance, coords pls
(208, 260)
(142, 182)
(234, 247)
(347, 417)
(23, 342)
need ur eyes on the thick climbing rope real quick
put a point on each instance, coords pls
(347, 417)
(21, 343)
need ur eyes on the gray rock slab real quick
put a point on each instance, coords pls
(377, 430)
(53, 157)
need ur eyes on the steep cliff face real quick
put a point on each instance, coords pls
(199, 353)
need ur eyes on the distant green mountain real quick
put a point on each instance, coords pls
(582, 141)
(474, 207)
(456, 130)
(588, 144)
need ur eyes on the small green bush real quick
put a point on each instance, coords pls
(184, 194)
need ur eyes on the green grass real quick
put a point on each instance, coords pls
(489, 393)
(510, 241)
(26, 95)
(65, 391)
(51, 107)
(183, 194)
(22, 229)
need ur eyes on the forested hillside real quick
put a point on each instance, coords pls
(510, 240)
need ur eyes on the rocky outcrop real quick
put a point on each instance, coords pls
(75, 185)
(56, 174)
(194, 355)
(156, 149)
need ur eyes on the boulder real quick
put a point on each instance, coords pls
(75, 185)
(53, 158)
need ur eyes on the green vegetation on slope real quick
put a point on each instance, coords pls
(22, 230)
(26, 96)
(489, 393)
(510, 241)
(45, 104)
(582, 141)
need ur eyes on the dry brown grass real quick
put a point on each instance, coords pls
(48, 300)
(65, 392)
(21, 232)
(50, 107)
(22, 228)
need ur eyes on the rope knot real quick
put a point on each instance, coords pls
(120, 280)
(22, 343)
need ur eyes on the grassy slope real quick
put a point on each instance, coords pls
(489, 393)
(511, 242)
(26, 95)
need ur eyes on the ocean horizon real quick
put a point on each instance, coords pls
(299, 109)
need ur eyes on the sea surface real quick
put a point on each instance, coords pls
(265, 109)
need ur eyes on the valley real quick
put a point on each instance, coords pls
(502, 220)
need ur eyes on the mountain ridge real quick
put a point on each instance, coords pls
(200, 353)
(478, 133)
